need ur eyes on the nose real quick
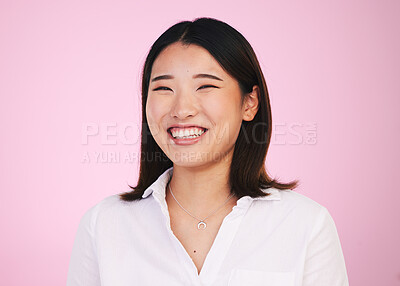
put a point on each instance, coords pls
(184, 105)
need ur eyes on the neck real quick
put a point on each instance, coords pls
(200, 189)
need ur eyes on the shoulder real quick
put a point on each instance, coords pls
(312, 214)
(294, 200)
(109, 208)
(296, 210)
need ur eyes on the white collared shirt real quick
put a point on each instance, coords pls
(284, 239)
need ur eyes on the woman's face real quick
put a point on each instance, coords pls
(188, 87)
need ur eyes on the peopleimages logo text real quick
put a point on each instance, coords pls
(114, 133)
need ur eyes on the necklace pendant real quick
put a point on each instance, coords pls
(201, 225)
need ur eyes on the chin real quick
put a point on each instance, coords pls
(183, 159)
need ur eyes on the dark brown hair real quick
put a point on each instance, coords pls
(235, 55)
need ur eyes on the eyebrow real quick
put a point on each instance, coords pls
(200, 75)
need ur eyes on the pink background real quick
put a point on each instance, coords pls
(71, 65)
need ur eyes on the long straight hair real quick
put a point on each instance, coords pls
(235, 55)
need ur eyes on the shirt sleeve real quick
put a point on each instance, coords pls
(83, 266)
(324, 263)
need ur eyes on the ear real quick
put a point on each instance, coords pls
(251, 104)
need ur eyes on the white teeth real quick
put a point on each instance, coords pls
(192, 132)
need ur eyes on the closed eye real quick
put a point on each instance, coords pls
(206, 86)
(167, 88)
(162, 88)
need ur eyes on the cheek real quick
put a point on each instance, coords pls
(225, 114)
(154, 114)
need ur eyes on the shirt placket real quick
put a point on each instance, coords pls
(218, 250)
(179, 249)
(221, 245)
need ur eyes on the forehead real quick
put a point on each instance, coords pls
(185, 58)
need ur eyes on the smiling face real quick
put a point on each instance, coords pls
(188, 87)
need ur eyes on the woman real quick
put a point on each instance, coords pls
(205, 211)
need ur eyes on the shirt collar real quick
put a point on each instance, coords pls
(159, 185)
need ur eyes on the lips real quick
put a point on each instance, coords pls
(185, 127)
(186, 141)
